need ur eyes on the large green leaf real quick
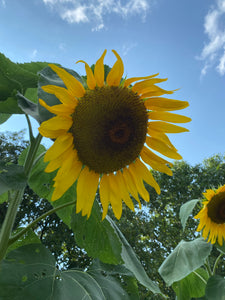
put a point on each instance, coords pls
(192, 286)
(132, 263)
(28, 107)
(29, 272)
(49, 77)
(97, 237)
(11, 177)
(185, 258)
(215, 288)
(186, 209)
(4, 117)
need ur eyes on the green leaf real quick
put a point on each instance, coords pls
(186, 209)
(192, 286)
(215, 288)
(97, 237)
(185, 258)
(28, 238)
(23, 154)
(11, 177)
(48, 76)
(132, 263)
(4, 117)
(28, 107)
(29, 272)
(10, 106)
(4, 197)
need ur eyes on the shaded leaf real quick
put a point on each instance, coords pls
(186, 209)
(11, 177)
(192, 286)
(29, 272)
(28, 238)
(215, 288)
(132, 263)
(28, 107)
(97, 237)
(4, 117)
(185, 258)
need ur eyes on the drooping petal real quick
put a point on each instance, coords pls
(116, 73)
(129, 81)
(152, 160)
(57, 162)
(164, 104)
(91, 82)
(162, 148)
(66, 175)
(168, 117)
(60, 109)
(104, 192)
(146, 85)
(114, 198)
(86, 190)
(62, 94)
(123, 190)
(153, 91)
(166, 127)
(99, 70)
(131, 185)
(61, 144)
(72, 84)
(161, 136)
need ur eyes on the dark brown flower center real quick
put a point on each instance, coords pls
(216, 208)
(109, 128)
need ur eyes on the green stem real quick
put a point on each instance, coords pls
(9, 221)
(216, 263)
(15, 199)
(199, 276)
(32, 224)
(207, 265)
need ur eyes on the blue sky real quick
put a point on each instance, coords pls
(182, 40)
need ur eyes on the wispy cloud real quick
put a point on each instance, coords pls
(94, 11)
(34, 54)
(3, 3)
(127, 47)
(213, 52)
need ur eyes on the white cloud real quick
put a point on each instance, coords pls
(3, 3)
(213, 52)
(34, 53)
(94, 11)
(127, 47)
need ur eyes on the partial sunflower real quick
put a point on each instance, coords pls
(103, 135)
(212, 216)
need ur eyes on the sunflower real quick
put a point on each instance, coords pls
(212, 216)
(103, 135)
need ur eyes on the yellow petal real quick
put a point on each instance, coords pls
(166, 127)
(60, 109)
(164, 104)
(104, 192)
(129, 81)
(162, 148)
(152, 160)
(91, 82)
(138, 181)
(161, 136)
(116, 73)
(221, 189)
(86, 190)
(62, 94)
(209, 194)
(131, 185)
(99, 70)
(154, 90)
(146, 175)
(55, 126)
(123, 190)
(168, 117)
(61, 144)
(66, 176)
(146, 85)
(72, 84)
(114, 197)
(58, 161)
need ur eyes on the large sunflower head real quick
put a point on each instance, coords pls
(103, 135)
(212, 216)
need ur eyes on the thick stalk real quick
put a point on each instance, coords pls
(9, 221)
(15, 199)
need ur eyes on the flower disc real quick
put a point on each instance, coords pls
(216, 208)
(109, 128)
